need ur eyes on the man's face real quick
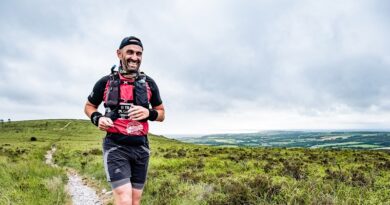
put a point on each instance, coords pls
(131, 57)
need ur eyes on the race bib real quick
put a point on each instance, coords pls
(123, 110)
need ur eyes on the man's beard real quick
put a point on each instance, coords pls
(127, 71)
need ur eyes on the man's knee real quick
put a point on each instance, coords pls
(123, 194)
(124, 200)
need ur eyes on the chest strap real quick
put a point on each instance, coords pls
(140, 93)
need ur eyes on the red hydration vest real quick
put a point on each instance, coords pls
(119, 95)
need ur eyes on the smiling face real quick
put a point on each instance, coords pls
(130, 57)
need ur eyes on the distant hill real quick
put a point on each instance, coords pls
(307, 139)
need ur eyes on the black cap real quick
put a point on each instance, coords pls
(130, 40)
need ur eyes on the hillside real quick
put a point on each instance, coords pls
(306, 139)
(182, 173)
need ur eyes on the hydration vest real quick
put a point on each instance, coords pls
(117, 103)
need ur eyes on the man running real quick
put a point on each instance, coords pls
(127, 95)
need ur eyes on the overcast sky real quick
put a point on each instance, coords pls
(221, 66)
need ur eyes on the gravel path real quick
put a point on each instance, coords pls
(81, 193)
(49, 156)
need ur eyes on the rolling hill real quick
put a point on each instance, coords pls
(306, 139)
(185, 173)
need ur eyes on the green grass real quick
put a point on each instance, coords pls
(24, 177)
(181, 173)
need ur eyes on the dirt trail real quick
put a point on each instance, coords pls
(81, 193)
(66, 125)
(49, 156)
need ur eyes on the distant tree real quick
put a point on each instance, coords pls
(2, 122)
(9, 120)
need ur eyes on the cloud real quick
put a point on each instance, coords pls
(288, 64)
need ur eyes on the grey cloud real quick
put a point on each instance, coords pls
(47, 19)
(359, 82)
(321, 76)
(273, 54)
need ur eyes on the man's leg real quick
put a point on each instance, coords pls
(123, 194)
(137, 193)
(139, 169)
(118, 172)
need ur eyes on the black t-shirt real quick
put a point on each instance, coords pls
(96, 98)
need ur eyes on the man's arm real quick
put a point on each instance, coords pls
(161, 112)
(90, 108)
(138, 112)
(104, 122)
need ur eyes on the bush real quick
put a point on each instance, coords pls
(190, 176)
(170, 155)
(237, 192)
(384, 165)
(181, 153)
(295, 169)
(269, 166)
(340, 176)
(358, 178)
(95, 151)
(263, 187)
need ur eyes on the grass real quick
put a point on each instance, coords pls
(24, 177)
(181, 173)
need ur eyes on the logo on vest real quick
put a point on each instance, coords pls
(134, 128)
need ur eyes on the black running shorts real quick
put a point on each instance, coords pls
(125, 164)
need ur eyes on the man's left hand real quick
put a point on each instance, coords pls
(137, 112)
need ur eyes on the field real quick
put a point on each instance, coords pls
(306, 139)
(182, 173)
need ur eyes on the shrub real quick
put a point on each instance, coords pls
(200, 164)
(95, 151)
(237, 192)
(269, 166)
(83, 164)
(234, 158)
(181, 153)
(166, 191)
(216, 198)
(358, 178)
(384, 165)
(313, 157)
(262, 186)
(295, 169)
(340, 176)
(190, 176)
(170, 155)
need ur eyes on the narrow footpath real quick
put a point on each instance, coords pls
(81, 193)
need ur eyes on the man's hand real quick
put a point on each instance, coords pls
(137, 112)
(105, 123)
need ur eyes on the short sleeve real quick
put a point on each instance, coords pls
(96, 96)
(155, 100)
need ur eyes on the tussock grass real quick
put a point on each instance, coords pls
(25, 179)
(182, 173)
